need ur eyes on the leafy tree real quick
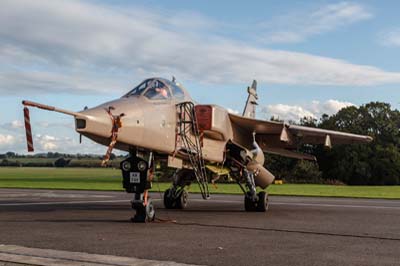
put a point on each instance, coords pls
(377, 163)
(10, 154)
(306, 172)
(61, 162)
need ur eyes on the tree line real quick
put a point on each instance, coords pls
(376, 163)
(55, 159)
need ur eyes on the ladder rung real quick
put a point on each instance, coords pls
(192, 148)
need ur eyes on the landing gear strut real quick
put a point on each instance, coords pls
(252, 200)
(137, 176)
(177, 197)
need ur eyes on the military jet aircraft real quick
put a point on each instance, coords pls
(158, 120)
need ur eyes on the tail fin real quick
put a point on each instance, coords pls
(250, 108)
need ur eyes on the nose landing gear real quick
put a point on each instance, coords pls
(137, 176)
(145, 212)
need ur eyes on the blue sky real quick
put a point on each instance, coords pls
(309, 57)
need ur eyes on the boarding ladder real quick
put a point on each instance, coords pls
(190, 140)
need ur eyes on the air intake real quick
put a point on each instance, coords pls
(80, 123)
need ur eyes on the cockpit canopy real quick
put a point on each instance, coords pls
(158, 89)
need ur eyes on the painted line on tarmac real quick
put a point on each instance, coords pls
(336, 205)
(374, 237)
(200, 200)
(61, 202)
(53, 195)
(312, 204)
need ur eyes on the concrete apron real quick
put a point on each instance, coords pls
(17, 255)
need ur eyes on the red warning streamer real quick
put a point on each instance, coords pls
(116, 124)
(28, 130)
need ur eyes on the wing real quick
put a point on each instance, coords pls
(280, 138)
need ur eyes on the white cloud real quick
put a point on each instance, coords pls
(76, 46)
(232, 111)
(46, 142)
(6, 140)
(13, 125)
(47, 124)
(295, 112)
(390, 38)
(13, 82)
(286, 112)
(297, 27)
(329, 106)
(49, 146)
(17, 124)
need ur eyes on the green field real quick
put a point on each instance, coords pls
(49, 162)
(110, 179)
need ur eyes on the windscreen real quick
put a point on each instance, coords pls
(138, 90)
(157, 91)
(154, 88)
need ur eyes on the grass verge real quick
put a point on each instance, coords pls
(110, 179)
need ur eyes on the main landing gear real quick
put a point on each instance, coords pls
(177, 197)
(253, 201)
(260, 204)
(137, 177)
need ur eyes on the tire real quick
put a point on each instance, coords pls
(262, 203)
(150, 211)
(169, 202)
(249, 204)
(182, 199)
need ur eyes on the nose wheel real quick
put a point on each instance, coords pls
(144, 213)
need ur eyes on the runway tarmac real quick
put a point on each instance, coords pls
(295, 230)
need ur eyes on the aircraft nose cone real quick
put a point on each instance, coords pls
(95, 121)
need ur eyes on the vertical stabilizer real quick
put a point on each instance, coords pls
(250, 108)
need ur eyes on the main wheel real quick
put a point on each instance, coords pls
(249, 204)
(150, 211)
(262, 203)
(169, 201)
(182, 199)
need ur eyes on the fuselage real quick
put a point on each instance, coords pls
(151, 118)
